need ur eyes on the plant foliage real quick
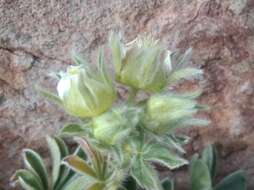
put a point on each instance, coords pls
(203, 171)
(123, 135)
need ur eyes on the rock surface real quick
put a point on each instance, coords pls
(37, 37)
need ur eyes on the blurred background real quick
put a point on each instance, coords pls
(38, 36)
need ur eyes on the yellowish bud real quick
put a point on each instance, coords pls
(142, 64)
(115, 125)
(164, 112)
(85, 92)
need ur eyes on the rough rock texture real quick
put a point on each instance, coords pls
(37, 37)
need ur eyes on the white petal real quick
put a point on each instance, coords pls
(63, 86)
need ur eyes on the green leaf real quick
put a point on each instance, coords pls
(34, 163)
(80, 153)
(56, 158)
(160, 154)
(234, 181)
(210, 158)
(79, 165)
(25, 185)
(49, 95)
(64, 172)
(62, 147)
(94, 156)
(145, 175)
(167, 184)
(58, 150)
(28, 180)
(79, 183)
(200, 175)
(72, 130)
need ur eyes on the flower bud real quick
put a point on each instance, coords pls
(85, 92)
(142, 64)
(165, 112)
(113, 126)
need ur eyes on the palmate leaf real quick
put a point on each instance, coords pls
(160, 154)
(28, 180)
(145, 175)
(200, 175)
(234, 181)
(34, 163)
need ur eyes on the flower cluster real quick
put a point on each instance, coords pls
(123, 137)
